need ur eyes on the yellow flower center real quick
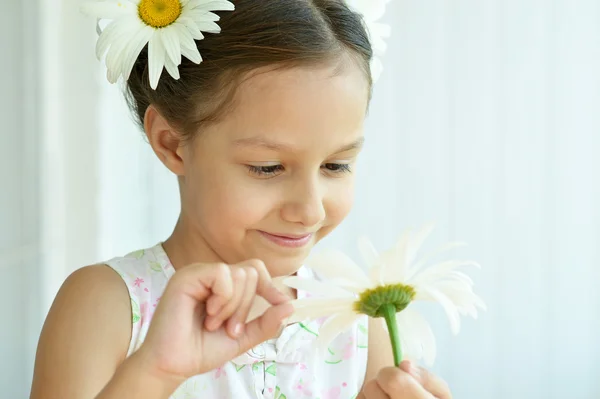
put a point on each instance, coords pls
(159, 13)
(370, 302)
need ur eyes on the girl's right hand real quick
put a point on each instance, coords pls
(200, 322)
(405, 382)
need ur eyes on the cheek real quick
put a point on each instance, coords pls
(338, 204)
(230, 202)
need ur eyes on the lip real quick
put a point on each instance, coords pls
(287, 240)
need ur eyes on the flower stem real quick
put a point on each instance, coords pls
(389, 313)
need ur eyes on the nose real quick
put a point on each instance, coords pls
(304, 203)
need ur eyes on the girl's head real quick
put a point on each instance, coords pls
(264, 133)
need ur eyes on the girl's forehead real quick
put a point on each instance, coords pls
(295, 110)
(301, 99)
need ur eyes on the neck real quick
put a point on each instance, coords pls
(185, 246)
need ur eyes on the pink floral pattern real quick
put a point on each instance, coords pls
(276, 369)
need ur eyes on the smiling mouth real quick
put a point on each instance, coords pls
(288, 240)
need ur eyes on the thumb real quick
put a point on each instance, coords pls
(265, 327)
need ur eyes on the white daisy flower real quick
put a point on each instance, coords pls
(372, 11)
(168, 27)
(394, 281)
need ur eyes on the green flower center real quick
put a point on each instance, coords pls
(159, 13)
(371, 302)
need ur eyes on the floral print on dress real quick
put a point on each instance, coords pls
(277, 369)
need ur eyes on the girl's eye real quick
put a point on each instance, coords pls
(269, 170)
(337, 167)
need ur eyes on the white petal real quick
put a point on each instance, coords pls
(113, 33)
(172, 45)
(201, 15)
(138, 42)
(188, 46)
(172, 68)
(453, 276)
(317, 287)
(117, 54)
(208, 26)
(191, 26)
(334, 265)
(440, 270)
(334, 327)
(393, 261)
(216, 5)
(156, 59)
(461, 296)
(368, 251)
(108, 9)
(410, 341)
(448, 306)
(417, 241)
(314, 308)
(417, 266)
(191, 53)
(423, 333)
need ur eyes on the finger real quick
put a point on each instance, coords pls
(400, 385)
(266, 288)
(265, 327)
(202, 281)
(236, 322)
(214, 305)
(432, 383)
(222, 290)
(238, 276)
(372, 390)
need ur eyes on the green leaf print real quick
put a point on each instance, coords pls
(304, 327)
(332, 353)
(155, 267)
(138, 254)
(363, 338)
(278, 394)
(135, 311)
(256, 365)
(362, 329)
(238, 368)
(272, 369)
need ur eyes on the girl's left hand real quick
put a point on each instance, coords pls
(405, 382)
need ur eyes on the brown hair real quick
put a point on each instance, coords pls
(259, 33)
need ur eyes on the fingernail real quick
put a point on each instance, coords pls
(415, 371)
(237, 329)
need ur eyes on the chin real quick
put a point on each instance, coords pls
(284, 265)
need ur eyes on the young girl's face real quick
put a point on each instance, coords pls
(276, 175)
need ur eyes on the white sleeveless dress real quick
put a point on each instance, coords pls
(276, 369)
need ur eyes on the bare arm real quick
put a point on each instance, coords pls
(85, 337)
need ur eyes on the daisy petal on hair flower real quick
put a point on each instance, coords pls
(168, 27)
(395, 280)
(372, 11)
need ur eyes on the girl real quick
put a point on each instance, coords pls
(263, 136)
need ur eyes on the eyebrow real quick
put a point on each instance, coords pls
(277, 146)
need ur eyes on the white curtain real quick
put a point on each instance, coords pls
(485, 120)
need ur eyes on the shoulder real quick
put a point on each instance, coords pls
(87, 332)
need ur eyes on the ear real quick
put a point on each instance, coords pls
(165, 141)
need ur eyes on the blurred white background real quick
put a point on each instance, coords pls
(485, 120)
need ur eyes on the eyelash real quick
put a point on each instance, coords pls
(272, 170)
